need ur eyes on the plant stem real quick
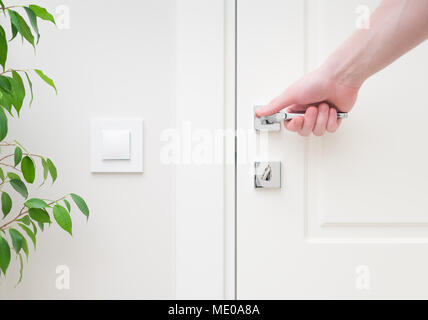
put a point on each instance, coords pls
(7, 145)
(25, 154)
(10, 166)
(17, 70)
(23, 212)
(11, 7)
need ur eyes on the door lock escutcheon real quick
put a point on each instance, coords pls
(267, 175)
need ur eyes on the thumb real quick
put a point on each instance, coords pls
(286, 99)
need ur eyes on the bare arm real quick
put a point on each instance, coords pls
(396, 27)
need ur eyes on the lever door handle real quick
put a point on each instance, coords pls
(282, 116)
(273, 122)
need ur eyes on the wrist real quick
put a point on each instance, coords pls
(351, 64)
(344, 70)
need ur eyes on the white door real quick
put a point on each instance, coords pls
(351, 218)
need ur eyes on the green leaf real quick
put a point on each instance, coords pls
(45, 170)
(81, 204)
(34, 227)
(13, 176)
(2, 177)
(6, 203)
(52, 170)
(3, 48)
(19, 187)
(39, 215)
(42, 13)
(6, 99)
(30, 85)
(25, 247)
(62, 217)
(16, 237)
(20, 145)
(41, 226)
(25, 220)
(17, 156)
(21, 268)
(29, 233)
(18, 90)
(67, 204)
(5, 84)
(22, 26)
(46, 79)
(33, 21)
(4, 255)
(3, 125)
(14, 31)
(2, 5)
(35, 203)
(28, 169)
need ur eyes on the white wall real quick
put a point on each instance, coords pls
(116, 60)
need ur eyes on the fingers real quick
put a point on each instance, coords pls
(297, 108)
(316, 120)
(287, 98)
(309, 122)
(333, 123)
(323, 117)
(294, 125)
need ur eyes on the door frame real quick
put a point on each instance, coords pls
(205, 233)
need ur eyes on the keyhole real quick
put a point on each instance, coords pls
(267, 173)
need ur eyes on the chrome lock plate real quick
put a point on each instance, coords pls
(261, 124)
(267, 175)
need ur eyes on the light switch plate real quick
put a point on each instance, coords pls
(117, 145)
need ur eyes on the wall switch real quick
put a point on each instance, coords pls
(117, 145)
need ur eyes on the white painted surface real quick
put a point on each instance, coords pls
(117, 60)
(117, 145)
(200, 185)
(229, 156)
(351, 218)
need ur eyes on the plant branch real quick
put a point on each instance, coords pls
(7, 144)
(23, 212)
(11, 7)
(16, 70)
(10, 166)
(25, 154)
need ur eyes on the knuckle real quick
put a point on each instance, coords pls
(331, 129)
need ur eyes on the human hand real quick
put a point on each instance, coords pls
(320, 95)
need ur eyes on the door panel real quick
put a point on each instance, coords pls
(350, 220)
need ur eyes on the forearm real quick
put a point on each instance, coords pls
(396, 27)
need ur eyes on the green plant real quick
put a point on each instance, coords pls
(17, 165)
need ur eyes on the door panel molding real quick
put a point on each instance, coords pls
(309, 240)
(380, 208)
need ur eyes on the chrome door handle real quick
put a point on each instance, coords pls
(282, 116)
(273, 122)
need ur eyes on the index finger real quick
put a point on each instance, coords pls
(287, 98)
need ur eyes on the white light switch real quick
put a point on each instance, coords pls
(116, 144)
